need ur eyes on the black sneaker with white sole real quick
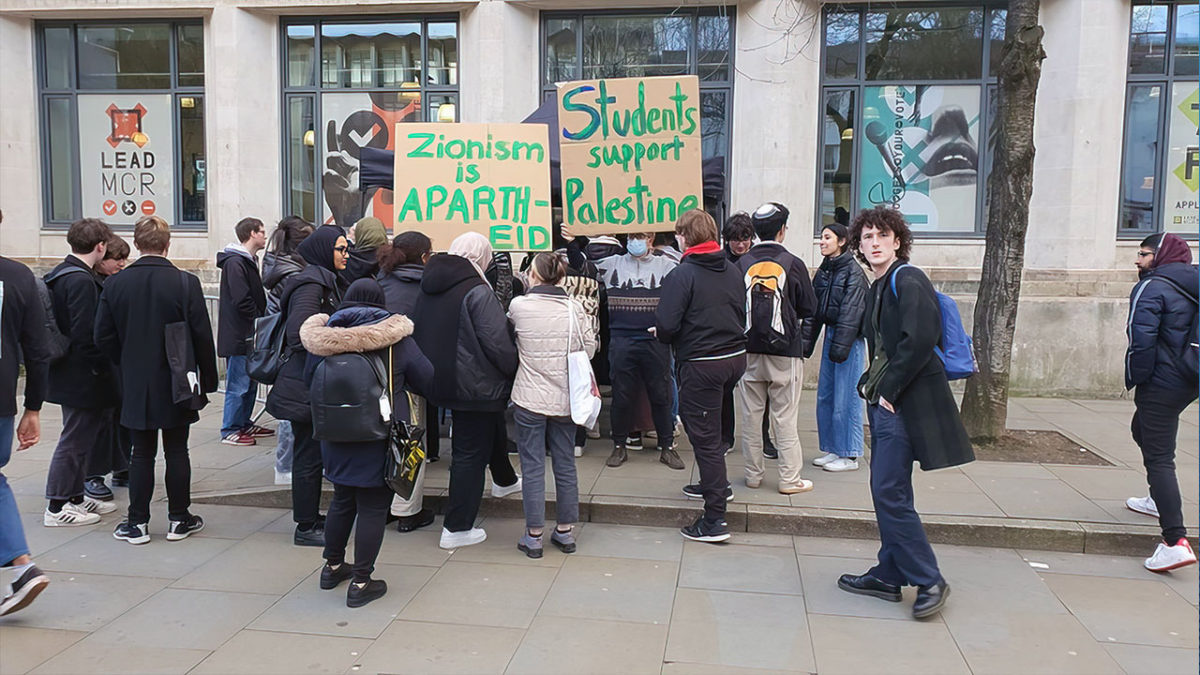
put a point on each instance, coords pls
(693, 491)
(27, 586)
(180, 529)
(702, 530)
(134, 534)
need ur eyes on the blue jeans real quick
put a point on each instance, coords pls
(12, 535)
(839, 408)
(537, 434)
(240, 392)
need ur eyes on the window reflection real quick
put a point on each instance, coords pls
(837, 133)
(943, 44)
(841, 44)
(1148, 39)
(1141, 153)
(1187, 39)
(635, 46)
(134, 56)
(562, 59)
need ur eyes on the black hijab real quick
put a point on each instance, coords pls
(364, 293)
(317, 248)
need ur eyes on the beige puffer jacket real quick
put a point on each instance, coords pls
(541, 321)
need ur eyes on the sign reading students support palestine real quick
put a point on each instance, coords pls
(630, 150)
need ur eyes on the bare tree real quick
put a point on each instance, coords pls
(985, 405)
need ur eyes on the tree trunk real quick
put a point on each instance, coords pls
(985, 406)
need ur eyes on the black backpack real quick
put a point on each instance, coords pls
(57, 344)
(770, 316)
(347, 396)
(265, 349)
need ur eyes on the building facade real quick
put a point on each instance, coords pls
(207, 111)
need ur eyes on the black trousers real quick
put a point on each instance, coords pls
(479, 441)
(728, 428)
(1155, 425)
(141, 473)
(641, 362)
(112, 454)
(306, 474)
(82, 430)
(365, 510)
(433, 439)
(702, 386)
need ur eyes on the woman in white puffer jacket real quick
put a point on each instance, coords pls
(548, 324)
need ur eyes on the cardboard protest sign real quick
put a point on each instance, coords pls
(630, 150)
(488, 178)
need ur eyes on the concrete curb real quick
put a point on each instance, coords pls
(1041, 535)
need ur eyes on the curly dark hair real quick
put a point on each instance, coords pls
(884, 219)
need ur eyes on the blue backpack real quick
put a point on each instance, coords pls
(954, 348)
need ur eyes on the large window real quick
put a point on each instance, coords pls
(907, 96)
(122, 120)
(633, 43)
(1161, 163)
(346, 83)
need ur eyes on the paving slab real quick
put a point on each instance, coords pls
(186, 619)
(100, 655)
(98, 552)
(558, 645)
(1105, 606)
(895, 647)
(1027, 642)
(87, 602)
(256, 652)
(482, 594)
(764, 569)
(23, 648)
(616, 589)
(749, 630)
(419, 648)
(1143, 660)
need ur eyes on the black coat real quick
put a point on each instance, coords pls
(360, 264)
(702, 311)
(910, 325)
(799, 292)
(135, 308)
(22, 338)
(275, 270)
(314, 290)
(402, 287)
(841, 289)
(242, 300)
(1161, 308)
(84, 378)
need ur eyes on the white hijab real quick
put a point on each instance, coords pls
(474, 247)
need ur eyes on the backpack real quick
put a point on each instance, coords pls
(348, 398)
(57, 344)
(1189, 358)
(770, 317)
(954, 348)
(265, 350)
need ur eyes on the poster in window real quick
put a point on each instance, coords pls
(126, 156)
(353, 121)
(1183, 161)
(919, 153)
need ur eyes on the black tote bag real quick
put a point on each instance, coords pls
(181, 356)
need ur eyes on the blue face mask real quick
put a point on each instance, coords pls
(637, 247)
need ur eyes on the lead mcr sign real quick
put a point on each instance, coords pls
(126, 156)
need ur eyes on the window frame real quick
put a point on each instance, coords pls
(72, 92)
(987, 81)
(1166, 80)
(315, 90)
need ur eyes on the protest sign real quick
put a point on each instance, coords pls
(126, 150)
(488, 178)
(630, 151)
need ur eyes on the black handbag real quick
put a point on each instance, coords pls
(181, 356)
(265, 353)
(405, 451)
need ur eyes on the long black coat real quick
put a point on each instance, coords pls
(134, 309)
(841, 289)
(84, 378)
(910, 325)
(311, 291)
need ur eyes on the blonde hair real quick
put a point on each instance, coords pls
(151, 234)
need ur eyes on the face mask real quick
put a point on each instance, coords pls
(637, 247)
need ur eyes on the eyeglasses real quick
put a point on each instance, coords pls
(341, 249)
(1143, 254)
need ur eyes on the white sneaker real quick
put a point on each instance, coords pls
(283, 477)
(500, 492)
(1167, 558)
(825, 459)
(450, 540)
(69, 516)
(842, 464)
(1143, 505)
(579, 451)
(594, 432)
(90, 505)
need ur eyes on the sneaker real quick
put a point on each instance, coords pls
(618, 457)
(451, 540)
(416, 521)
(703, 531)
(502, 491)
(331, 577)
(634, 442)
(693, 491)
(651, 434)
(69, 516)
(530, 545)
(120, 479)
(314, 536)
(1143, 505)
(27, 587)
(579, 451)
(239, 438)
(594, 433)
(258, 432)
(753, 483)
(96, 506)
(770, 451)
(1167, 558)
(671, 458)
(134, 534)
(360, 593)
(180, 529)
(283, 477)
(95, 488)
(803, 486)
(565, 541)
(825, 459)
(842, 464)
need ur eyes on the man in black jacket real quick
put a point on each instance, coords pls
(242, 300)
(82, 381)
(1162, 312)
(702, 314)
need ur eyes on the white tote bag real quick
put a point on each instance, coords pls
(581, 381)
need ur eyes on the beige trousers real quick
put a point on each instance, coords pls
(776, 379)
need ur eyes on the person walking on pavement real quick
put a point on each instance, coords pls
(912, 412)
(242, 300)
(112, 455)
(841, 289)
(134, 311)
(1160, 366)
(702, 315)
(82, 381)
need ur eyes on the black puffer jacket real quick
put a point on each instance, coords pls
(702, 312)
(275, 270)
(402, 287)
(841, 288)
(1161, 308)
(311, 291)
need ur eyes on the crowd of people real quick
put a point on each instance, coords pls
(377, 330)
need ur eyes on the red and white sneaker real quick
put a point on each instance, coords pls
(1167, 558)
(258, 432)
(239, 438)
